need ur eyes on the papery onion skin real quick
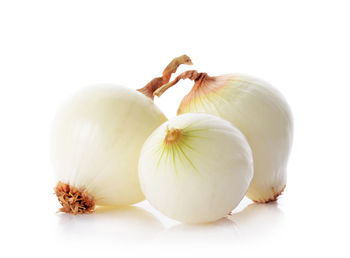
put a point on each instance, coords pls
(96, 141)
(261, 113)
(195, 168)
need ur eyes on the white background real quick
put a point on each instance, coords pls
(50, 49)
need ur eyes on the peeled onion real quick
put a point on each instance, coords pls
(195, 168)
(96, 141)
(95, 145)
(259, 111)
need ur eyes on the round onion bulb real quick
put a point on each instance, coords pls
(96, 142)
(95, 145)
(259, 111)
(195, 168)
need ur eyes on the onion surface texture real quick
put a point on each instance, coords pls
(96, 142)
(259, 111)
(195, 168)
(95, 146)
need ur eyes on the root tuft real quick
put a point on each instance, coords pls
(74, 200)
(274, 196)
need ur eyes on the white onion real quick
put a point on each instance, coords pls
(95, 146)
(259, 111)
(195, 168)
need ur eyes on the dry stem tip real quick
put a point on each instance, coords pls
(172, 136)
(171, 68)
(191, 74)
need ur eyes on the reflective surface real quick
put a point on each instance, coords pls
(51, 49)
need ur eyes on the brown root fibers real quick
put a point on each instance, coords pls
(74, 200)
(274, 196)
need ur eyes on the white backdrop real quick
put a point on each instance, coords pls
(50, 49)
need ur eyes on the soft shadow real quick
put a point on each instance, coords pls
(222, 230)
(119, 225)
(256, 220)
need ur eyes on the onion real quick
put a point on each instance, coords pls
(259, 111)
(195, 168)
(96, 141)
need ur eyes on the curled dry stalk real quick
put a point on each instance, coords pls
(191, 74)
(171, 68)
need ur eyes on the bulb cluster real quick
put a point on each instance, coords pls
(232, 137)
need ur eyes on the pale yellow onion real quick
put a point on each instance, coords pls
(259, 111)
(195, 168)
(96, 140)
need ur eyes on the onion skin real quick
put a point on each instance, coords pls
(261, 113)
(96, 141)
(195, 168)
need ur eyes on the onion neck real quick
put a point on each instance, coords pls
(74, 200)
(199, 79)
(172, 136)
(171, 68)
